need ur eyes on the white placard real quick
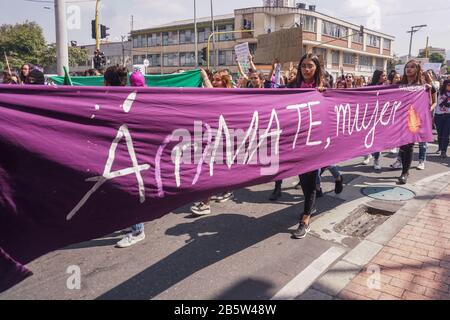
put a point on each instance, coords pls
(242, 52)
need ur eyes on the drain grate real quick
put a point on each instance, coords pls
(360, 223)
(388, 193)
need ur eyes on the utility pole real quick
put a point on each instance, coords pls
(97, 32)
(426, 49)
(212, 30)
(195, 33)
(132, 22)
(414, 29)
(62, 50)
(123, 51)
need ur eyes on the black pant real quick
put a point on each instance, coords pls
(442, 122)
(308, 184)
(406, 155)
(279, 182)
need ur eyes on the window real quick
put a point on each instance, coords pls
(154, 39)
(155, 60)
(357, 37)
(308, 22)
(140, 41)
(365, 61)
(320, 52)
(373, 41)
(335, 57)
(225, 36)
(187, 36)
(187, 59)
(333, 30)
(379, 63)
(169, 38)
(203, 35)
(170, 60)
(226, 58)
(387, 44)
(139, 59)
(349, 58)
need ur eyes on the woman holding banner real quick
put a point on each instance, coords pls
(412, 76)
(309, 75)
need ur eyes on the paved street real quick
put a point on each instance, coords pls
(243, 250)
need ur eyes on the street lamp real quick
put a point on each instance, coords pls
(413, 30)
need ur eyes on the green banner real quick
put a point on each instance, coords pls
(188, 79)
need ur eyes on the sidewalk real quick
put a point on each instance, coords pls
(415, 264)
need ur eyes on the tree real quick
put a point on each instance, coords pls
(25, 43)
(76, 56)
(22, 42)
(437, 58)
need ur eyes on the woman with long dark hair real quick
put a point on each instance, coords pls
(412, 76)
(309, 75)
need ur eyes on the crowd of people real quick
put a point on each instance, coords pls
(309, 73)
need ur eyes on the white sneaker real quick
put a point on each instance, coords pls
(224, 197)
(397, 164)
(421, 165)
(201, 209)
(367, 159)
(393, 151)
(130, 239)
(376, 165)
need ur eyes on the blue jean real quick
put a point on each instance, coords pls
(442, 122)
(137, 228)
(333, 170)
(423, 151)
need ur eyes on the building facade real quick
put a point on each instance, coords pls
(432, 50)
(171, 47)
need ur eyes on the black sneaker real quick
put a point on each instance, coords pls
(301, 231)
(319, 193)
(339, 185)
(403, 179)
(276, 194)
(443, 154)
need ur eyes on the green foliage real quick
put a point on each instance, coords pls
(25, 43)
(437, 58)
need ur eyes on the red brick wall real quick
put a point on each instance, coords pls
(357, 46)
(373, 49)
(309, 36)
(338, 43)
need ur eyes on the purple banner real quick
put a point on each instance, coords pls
(77, 163)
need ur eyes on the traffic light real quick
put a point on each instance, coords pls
(94, 33)
(103, 33)
(361, 31)
(204, 55)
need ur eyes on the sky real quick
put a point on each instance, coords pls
(393, 17)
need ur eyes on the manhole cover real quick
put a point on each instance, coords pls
(388, 193)
(360, 223)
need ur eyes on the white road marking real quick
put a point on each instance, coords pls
(306, 278)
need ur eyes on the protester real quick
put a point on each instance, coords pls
(309, 75)
(442, 118)
(412, 76)
(219, 80)
(379, 78)
(10, 78)
(350, 80)
(91, 73)
(35, 77)
(341, 84)
(116, 76)
(25, 72)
